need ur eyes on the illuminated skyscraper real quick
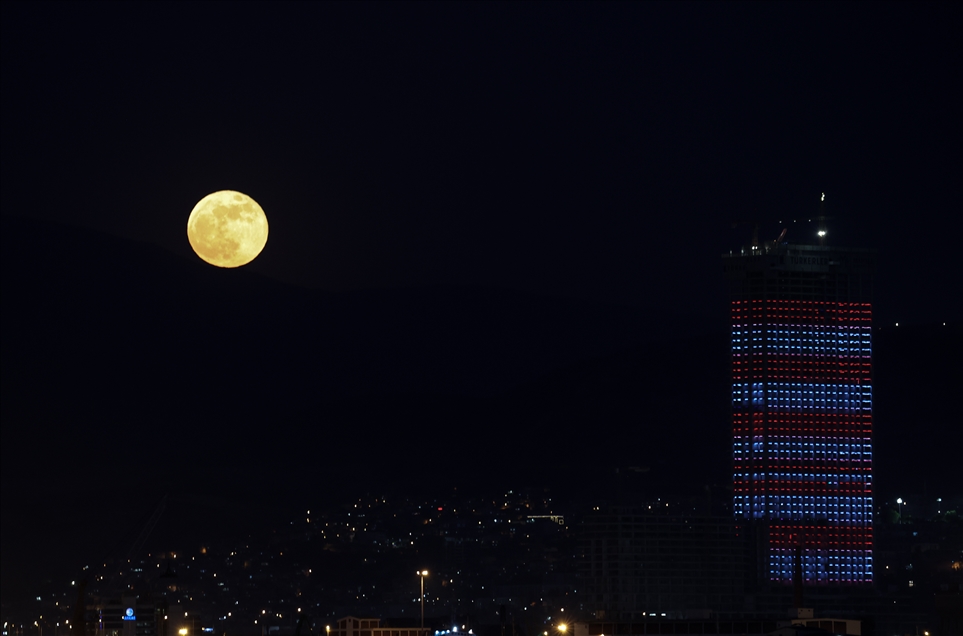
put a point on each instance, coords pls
(802, 409)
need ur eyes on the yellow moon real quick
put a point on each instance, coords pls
(227, 229)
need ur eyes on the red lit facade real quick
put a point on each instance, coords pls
(802, 409)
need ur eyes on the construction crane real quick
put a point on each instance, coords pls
(755, 235)
(148, 528)
(781, 236)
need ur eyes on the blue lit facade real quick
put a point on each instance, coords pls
(802, 402)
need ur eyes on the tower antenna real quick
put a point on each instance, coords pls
(821, 220)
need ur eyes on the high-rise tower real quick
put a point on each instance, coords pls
(802, 408)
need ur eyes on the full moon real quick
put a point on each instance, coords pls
(227, 229)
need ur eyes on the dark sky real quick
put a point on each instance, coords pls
(582, 151)
(596, 151)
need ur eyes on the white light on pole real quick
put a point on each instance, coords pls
(422, 574)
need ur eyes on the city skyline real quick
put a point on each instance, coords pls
(494, 252)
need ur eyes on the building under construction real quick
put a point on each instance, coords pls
(802, 410)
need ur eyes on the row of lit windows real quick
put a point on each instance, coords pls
(802, 446)
(788, 396)
(857, 518)
(750, 319)
(807, 446)
(802, 501)
(832, 559)
(797, 461)
(757, 349)
(816, 305)
(835, 336)
(802, 362)
(843, 522)
(805, 348)
(853, 375)
(854, 335)
(823, 565)
(745, 432)
(820, 574)
(803, 454)
(791, 499)
(804, 423)
(817, 316)
(804, 390)
(804, 479)
(804, 491)
(795, 508)
(857, 334)
(796, 464)
(848, 339)
(859, 508)
(826, 484)
(829, 478)
(816, 442)
(841, 326)
(774, 347)
(810, 424)
(814, 555)
(799, 372)
(819, 536)
(819, 496)
(856, 476)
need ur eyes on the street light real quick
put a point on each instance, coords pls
(899, 502)
(422, 574)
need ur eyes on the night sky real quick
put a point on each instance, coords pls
(579, 150)
(592, 157)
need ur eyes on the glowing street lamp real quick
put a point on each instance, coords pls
(899, 503)
(422, 574)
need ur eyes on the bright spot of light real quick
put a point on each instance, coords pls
(821, 232)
